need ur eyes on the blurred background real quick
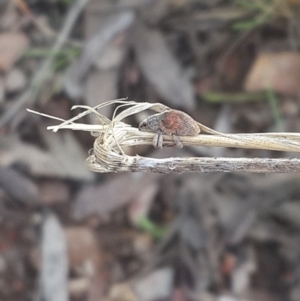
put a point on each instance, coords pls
(69, 234)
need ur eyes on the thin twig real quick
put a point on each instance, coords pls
(203, 165)
(23, 7)
(42, 74)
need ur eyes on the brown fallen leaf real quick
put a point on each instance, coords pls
(65, 159)
(178, 295)
(122, 292)
(141, 204)
(104, 77)
(19, 187)
(111, 195)
(277, 71)
(97, 287)
(83, 252)
(104, 81)
(161, 67)
(53, 191)
(11, 47)
(101, 42)
(69, 154)
(78, 287)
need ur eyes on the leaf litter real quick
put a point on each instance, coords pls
(230, 237)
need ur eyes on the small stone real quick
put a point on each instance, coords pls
(15, 81)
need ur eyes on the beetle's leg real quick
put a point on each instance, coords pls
(158, 140)
(177, 141)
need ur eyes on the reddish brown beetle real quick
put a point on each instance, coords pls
(170, 122)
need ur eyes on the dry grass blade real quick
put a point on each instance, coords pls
(113, 135)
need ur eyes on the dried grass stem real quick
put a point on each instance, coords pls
(114, 135)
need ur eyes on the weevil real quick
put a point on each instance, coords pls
(171, 122)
